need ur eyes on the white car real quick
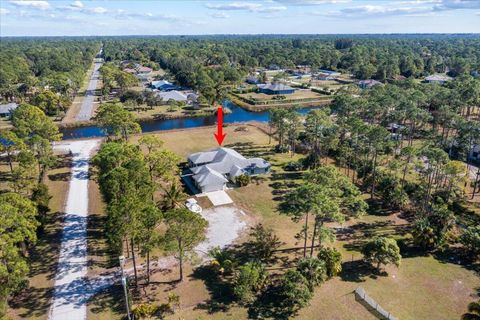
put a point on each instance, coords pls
(193, 206)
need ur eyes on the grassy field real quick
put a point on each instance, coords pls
(407, 291)
(163, 112)
(298, 94)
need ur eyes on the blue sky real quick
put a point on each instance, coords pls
(161, 17)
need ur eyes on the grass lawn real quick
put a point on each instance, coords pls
(163, 112)
(298, 94)
(407, 292)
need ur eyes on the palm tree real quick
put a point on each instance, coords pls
(473, 311)
(313, 270)
(173, 197)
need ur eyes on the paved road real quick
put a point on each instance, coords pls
(86, 108)
(72, 289)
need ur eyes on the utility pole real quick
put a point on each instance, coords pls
(124, 284)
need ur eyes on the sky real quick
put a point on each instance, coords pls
(168, 17)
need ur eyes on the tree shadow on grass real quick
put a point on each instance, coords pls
(358, 270)
(34, 301)
(111, 298)
(221, 297)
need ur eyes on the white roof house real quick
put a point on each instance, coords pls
(212, 169)
(438, 78)
(172, 95)
(7, 109)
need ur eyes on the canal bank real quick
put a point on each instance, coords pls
(237, 115)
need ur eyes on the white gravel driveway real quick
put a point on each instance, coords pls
(72, 290)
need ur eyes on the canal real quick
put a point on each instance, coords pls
(237, 115)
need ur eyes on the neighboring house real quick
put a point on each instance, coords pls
(172, 95)
(130, 70)
(438, 78)
(325, 76)
(252, 80)
(144, 70)
(7, 109)
(330, 72)
(275, 88)
(368, 84)
(211, 170)
(163, 85)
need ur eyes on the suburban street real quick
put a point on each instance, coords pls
(86, 109)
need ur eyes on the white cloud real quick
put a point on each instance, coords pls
(311, 2)
(245, 6)
(99, 10)
(42, 5)
(458, 4)
(77, 4)
(220, 15)
(234, 6)
(4, 11)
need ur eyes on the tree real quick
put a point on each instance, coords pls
(250, 279)
(17, 228)
(150, 236)
(382, 250)
(264, 243)
(313, 270)
(471, 240)
(320, 133)
(332, 259)
(391, 191)
(185, 229)
(10, 143)
(116, 121)
(49, 102)
(430, 229)
(41, 197)
(37, 131)
(294, 291)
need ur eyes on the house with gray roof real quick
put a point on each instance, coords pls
(275, 88)
(368, 84)
(212, 170)
(7, 109)
(172, 95)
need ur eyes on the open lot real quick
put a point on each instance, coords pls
(407, 292)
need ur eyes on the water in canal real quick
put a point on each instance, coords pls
(238, 115)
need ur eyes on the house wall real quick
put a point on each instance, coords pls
(212, 188)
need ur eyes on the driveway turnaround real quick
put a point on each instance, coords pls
(72, 289)
(219, 198)
(86, 108)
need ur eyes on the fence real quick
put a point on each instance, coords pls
(372, 305)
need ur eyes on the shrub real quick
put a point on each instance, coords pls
(243, 180)
(224, 261)
(471, 240)
(263, 242)
(251, 278)
(332, 259)
(144, 310)
(294, 290)
(293, 166)
(313, 270)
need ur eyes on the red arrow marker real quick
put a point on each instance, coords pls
(220, 135)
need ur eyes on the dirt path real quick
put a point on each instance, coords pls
(72, 290)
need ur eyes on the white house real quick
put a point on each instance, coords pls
(172, 95)
(438, 78)
(211, 170)
(7, 109)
